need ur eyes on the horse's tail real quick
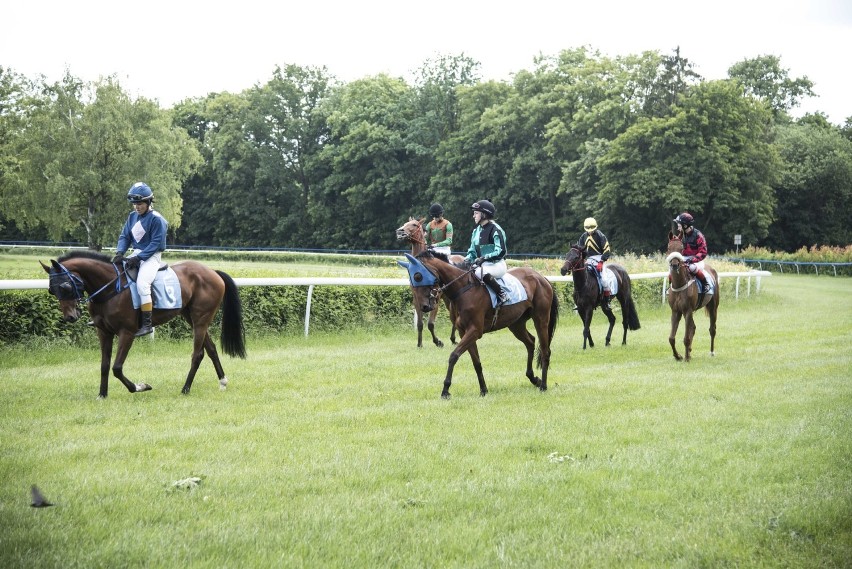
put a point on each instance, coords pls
(626, 289)
(233, 332)
(551, 327)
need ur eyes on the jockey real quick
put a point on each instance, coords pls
(488, 248)
(694, 246)
(596, 246)
(439, 231)
(145, 229)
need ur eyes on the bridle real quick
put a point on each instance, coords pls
(67, 286)
(401, 233)
(578, 264)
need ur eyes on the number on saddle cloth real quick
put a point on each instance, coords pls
(165, 290)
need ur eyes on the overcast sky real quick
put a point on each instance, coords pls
(172, 50)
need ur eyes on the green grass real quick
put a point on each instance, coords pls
(336, 450)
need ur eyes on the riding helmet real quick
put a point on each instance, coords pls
(484, 206)
(140, 192)
(685, 219)
(590, 224)
(436, 210)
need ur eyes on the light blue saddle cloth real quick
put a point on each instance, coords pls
(165, 291)
(516, 291)
(607, 276)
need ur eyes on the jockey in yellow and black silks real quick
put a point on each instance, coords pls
(596, 246)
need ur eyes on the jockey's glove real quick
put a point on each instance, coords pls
(133, 262)
(117, 259)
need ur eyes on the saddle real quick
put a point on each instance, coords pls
(133, 273)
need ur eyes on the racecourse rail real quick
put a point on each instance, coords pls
(311, 282)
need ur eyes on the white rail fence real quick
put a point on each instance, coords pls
(311, 282)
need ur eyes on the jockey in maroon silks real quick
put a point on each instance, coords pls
(694, 246)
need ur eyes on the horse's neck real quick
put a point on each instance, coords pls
(94, 274)
(418, 242)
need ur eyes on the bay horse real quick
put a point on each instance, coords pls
(587, 295)
(87, 277)
(475, 315)
(682, 296)
(412, 231)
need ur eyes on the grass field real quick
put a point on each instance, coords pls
(336, 450)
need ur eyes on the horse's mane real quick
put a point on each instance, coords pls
(84, 254)
(432, 254)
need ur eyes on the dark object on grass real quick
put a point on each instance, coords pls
(39, 501)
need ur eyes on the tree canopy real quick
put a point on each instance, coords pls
(303, 160)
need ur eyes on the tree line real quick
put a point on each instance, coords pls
(306, 161)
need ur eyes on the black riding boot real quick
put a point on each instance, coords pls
(492, 283)
(605, 303)
(146, 327)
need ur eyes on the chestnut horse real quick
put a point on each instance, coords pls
(412, 231)
(86, 277)
(475, 315)
(587, 295)
(683, 298)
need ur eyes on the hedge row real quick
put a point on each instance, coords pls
(30, 314)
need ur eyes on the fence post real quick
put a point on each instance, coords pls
(737, 289)
(308, 309)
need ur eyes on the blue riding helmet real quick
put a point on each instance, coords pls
(140, 192)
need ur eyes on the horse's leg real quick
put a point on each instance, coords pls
(624, 302)
(418, 318)
(586, 315)
(106, 358)
(432, 316)
(468, 338)
(611, 317)
(519, 329)
(199, 333)
(125, 342)
(711, 312)
(473, 351)
(673, 334)
(210, 348)
(689, 334)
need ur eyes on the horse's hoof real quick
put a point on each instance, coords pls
(439, 343)
(223, 383)
(712, 354)
(445, 395)
(542, 388)
(140, 387)
(483, 393)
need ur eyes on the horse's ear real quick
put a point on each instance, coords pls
(403, 264)
(410, 258)
(55, 265)
(45, 267)
(671, 236)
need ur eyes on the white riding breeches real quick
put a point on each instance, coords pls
(496, 269)
(147, 273)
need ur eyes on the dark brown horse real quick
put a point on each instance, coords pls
(683, 298)
(412, 231)
(86, 277)
(587, 296)
(433, 274)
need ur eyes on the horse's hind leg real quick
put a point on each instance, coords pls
(210, 348)
(711, 309)
(519, 329)
(199, 335)
(611, 317)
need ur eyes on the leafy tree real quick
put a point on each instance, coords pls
(763, 78)
(815, 190)
(712, 158)
(82, 147)
(367, 160)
